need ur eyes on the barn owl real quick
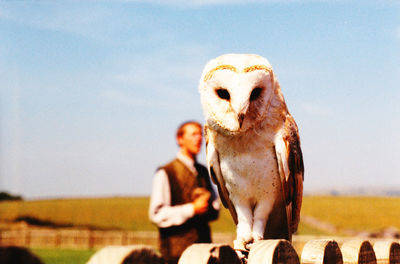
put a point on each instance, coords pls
(252, 147)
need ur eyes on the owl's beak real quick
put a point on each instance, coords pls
(241, 114)
(240, 119)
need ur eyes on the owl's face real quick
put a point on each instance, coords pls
(236, 91)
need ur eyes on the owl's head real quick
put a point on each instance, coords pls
(236, 91)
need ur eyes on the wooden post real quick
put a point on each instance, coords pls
(387, 252)
(358, 252)
(323, 251)
(124, 238)
(209, 253)
(91, 239)
(27, 238)
(272, 251)
(126, 255)
(57, 240)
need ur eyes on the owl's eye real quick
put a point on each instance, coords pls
(223, 94)
(255, 93)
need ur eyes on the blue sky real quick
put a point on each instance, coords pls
(92, 92)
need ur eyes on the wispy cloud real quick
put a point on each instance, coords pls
(220, 2)
(317, 110)
(136, 100)
(53, 17)
(165, 80)
(123, 98)
(86, 20)
(198, 3)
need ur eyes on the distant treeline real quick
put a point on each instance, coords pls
(5, 196)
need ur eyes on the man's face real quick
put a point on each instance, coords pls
(190, 141)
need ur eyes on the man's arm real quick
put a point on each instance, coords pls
(161, 212)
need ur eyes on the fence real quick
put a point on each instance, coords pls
(84, 238)
(78, 239)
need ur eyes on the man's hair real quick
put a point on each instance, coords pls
(181, 129)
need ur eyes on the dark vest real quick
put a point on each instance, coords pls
(174, 240)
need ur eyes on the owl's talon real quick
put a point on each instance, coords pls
(248, 245)
(251, 243)
(242, 255)
(240, 244)
(257, 238)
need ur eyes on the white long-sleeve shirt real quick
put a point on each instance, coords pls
(161, 212)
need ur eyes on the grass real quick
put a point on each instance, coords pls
(63, 256)
(126, 213)
(130, 213)
(357, 213)
(306, 229)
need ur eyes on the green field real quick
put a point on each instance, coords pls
(63, 256)
(125, 213)
(357, 213)
(104, 213)
(130, 213)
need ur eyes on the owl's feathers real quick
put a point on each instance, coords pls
(253, 147)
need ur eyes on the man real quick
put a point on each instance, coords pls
(182, 200)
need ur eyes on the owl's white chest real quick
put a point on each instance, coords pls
(249, 167)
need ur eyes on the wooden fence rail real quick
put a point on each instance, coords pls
(78, 239)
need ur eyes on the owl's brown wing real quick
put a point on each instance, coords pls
(291, 170)
(216, 175)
